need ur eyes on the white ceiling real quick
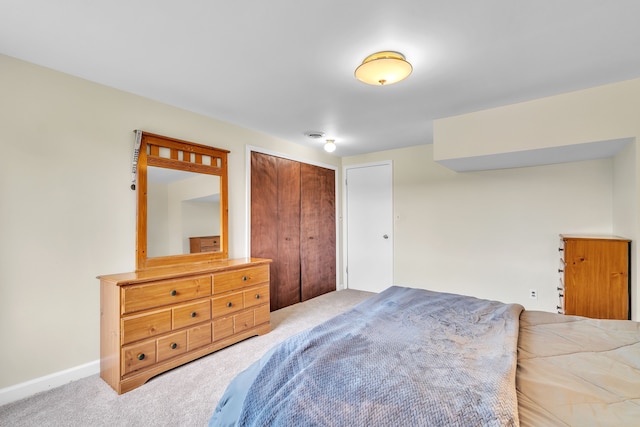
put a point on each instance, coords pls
(284, 67)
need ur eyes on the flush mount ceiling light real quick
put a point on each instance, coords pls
(330, 146)
(383, 68)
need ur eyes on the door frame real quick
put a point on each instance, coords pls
(345, 227)
(247, 203)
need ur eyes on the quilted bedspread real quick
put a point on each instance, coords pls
(403, 357)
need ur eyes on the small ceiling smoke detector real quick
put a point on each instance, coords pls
(314, 134)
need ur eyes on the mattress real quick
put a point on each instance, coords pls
(576, 371)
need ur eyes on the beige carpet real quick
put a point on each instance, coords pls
(185, 396)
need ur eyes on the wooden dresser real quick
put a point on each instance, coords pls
(154, 320)
(204, 244)
(594, 276)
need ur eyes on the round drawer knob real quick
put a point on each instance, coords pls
(174, 346)
(244, 278)
(194, 314)
(229, 304)
(257, 296)
(174, 293)
(141, 356)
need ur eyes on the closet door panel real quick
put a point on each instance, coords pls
(264, 213)
(293, 223)
(317, 231)
(264, 206)
(287, 285)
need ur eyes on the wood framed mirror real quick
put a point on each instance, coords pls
(182, 203)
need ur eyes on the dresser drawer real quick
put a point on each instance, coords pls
(227, 304)
(209, 244)
(256, 296)
(226, 326)
(190, 314)
(172, 345)
(262, 314)
(135, 328)
(199, 336)
(222, 328)
(223, 282)
(204, 244)
(141, 297)
(138, 356)
(243, 321)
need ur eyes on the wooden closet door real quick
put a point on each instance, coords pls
(317, 231)
(275, 224)
(264, 211)
(287, 285)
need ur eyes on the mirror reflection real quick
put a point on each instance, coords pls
(183, 212)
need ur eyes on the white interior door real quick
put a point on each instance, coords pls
(369, 226)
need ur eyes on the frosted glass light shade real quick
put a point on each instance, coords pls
(330, 146)
(383, 68)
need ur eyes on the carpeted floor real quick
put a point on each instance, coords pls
(185, 396)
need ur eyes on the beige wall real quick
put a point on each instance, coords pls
(602, 113)
(67, 213)
(491, 234)
(606, 114)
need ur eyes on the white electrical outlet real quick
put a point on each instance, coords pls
(533, 293)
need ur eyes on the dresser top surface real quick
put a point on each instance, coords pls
(593, 237)
(182, 270)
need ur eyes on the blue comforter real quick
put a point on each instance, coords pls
(403, 357)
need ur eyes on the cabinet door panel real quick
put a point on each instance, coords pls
(596, 278)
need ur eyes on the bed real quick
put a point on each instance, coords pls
(416, 357)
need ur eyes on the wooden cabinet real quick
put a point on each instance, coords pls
(154, 320)
(204, 244)
(594, 278)
(293, 223)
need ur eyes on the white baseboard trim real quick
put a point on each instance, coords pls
(29, 388)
